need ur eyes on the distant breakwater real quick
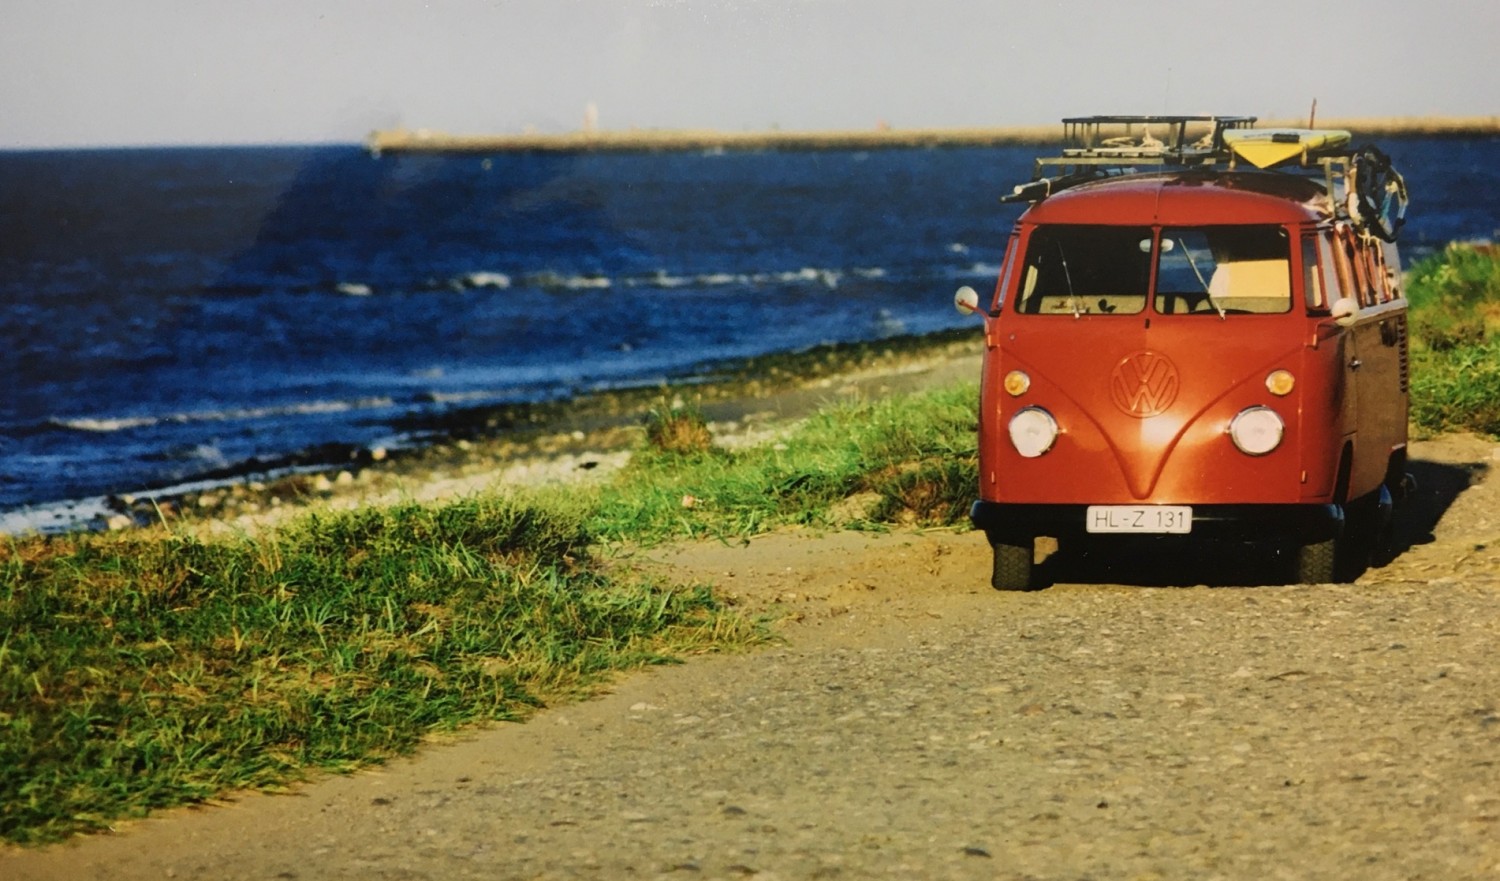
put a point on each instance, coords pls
(655, 140)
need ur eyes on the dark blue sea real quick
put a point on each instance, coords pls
(179, 315)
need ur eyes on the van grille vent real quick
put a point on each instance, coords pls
(1402, 348)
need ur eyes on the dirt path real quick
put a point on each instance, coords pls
(918, 725)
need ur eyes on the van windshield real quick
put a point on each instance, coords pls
(1081, 270)
(1224, 270)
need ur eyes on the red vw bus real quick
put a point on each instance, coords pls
(1198, 334)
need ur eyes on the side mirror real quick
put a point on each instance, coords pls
(966, 300)
(1344, 310)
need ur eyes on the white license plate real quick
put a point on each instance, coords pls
(1139, 518)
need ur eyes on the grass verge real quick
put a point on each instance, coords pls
(1455, 314)
(909, 458)
(144, 671)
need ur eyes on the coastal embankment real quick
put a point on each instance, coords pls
(652, 140)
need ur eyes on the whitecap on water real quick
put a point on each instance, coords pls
(487, 280)
(103, 425)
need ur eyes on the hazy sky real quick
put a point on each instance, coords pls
(113, 72)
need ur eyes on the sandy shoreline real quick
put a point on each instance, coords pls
(578, 440)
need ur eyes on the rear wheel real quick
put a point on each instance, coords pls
(1013, 565)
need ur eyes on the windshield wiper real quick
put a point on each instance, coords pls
(1068, 277)
(1187, 252)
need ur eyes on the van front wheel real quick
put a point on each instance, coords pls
(1012, 566)
(1316, 562)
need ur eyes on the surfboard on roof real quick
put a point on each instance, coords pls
(1269, 147)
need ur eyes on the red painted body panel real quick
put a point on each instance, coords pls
(1144, 401)
(1186, 198)
(1106, 455)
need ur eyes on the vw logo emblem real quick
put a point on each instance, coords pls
(1144, 384)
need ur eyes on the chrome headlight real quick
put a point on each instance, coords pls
(1032, 431)
(1256, 431)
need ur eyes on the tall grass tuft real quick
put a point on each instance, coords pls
(1455, 313)
(148, 670)
(1455, 296)
(677, 428)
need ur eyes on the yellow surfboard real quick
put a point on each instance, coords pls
(1265, 147)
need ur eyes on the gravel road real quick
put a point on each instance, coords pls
(915, 724)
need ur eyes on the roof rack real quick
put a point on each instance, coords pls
(1183, 140)
(1361, 185)
(1101, 146)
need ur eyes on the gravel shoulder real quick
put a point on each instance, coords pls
(913, 723)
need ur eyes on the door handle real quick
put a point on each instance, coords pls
(1356, 364)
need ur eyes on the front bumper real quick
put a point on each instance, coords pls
(1303, 524)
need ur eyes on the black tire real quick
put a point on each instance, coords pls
(1013, 565)
(1317, 562)
(1367, 534)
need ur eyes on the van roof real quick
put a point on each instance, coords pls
(1187, 197)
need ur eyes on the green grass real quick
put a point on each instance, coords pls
(1457, 389)
(913, 456)
(1455, 296)
(151, 670)
(1455, 316)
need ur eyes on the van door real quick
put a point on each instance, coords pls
(1376, 360)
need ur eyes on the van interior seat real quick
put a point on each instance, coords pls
(1261, 279)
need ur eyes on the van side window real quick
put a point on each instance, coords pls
(1333, 277)
(1075, 270)
(1375, 269)
(1216, 270)
(1312, 275)
(1007, 273)
(1358, 267)
(1389, 261)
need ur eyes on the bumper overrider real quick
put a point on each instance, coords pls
(1018, 524)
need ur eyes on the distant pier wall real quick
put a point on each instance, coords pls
(653, 140)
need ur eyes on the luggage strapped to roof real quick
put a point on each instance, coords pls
(1362, 185)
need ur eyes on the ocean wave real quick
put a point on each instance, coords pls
(661, 278)
(102, 426)
(553, 280)
(105, 424)
(983, 270)
(485, 280)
